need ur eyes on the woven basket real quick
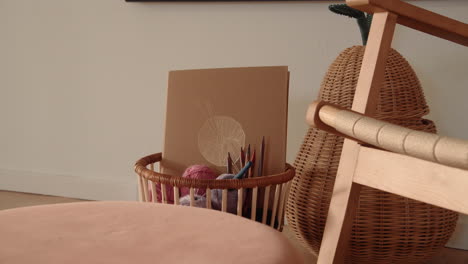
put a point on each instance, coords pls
(258, 191)
(388, 228)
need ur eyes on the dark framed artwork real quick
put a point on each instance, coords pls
(228, 0)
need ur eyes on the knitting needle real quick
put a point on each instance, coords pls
(242, 155)
(229, 163)
(262, 157)
(243, 171)
(247, 158)
(252, 168)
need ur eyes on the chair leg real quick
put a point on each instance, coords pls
(345, 198)
(343, 206)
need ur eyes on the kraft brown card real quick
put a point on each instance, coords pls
(211, 112)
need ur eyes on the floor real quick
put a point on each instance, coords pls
(14, 199)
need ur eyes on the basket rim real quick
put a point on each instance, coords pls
(177, 181)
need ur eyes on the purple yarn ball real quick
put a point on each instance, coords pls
(199, 201)
(217, 196)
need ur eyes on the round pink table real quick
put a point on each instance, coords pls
(132, 232)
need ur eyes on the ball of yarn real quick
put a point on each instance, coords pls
(217, 196)
(199, 201)
(169, 193)
(192, 172)
(197, 172)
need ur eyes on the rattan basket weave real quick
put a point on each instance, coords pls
(388, 228)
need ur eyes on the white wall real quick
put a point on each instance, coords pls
(83, 83)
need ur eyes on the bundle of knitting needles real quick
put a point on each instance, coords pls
(245, 166)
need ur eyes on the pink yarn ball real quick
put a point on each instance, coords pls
(169, 193)
(198, 172)
(192, 172)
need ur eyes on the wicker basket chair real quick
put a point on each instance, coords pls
(417, 230)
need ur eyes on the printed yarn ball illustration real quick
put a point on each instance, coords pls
(218, 136)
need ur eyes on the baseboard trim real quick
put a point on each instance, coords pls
(72, 186)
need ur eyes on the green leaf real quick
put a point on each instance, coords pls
(343, 9)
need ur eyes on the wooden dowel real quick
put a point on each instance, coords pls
(427, 146)
(240, 201)
(224, 200)
(163, 193)
(266, 202)
(140, 188)
(208, 198)
(153, 190)
(192, 196)
(452, 152)
(275, 205)
(154, 195)
(176, 195)
(145, 190)
(253, 212)
(281, 205)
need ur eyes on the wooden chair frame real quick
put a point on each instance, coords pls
(361, 165)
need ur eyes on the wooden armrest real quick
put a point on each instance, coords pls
(422, 145)
(417, 18)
